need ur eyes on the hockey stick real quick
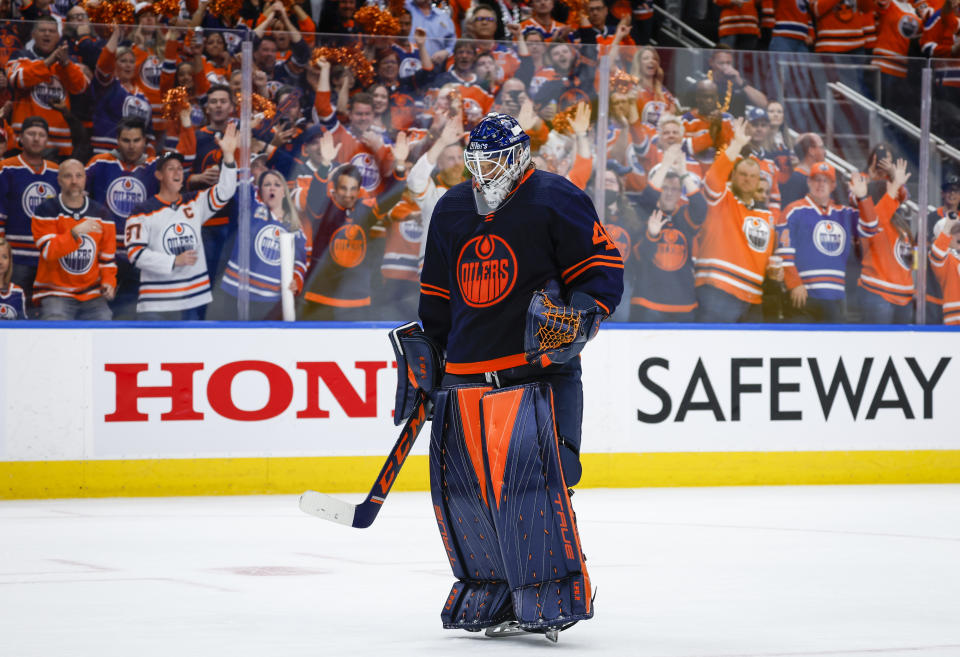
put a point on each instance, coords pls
(362, 515)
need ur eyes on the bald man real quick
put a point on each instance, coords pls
(77, 240)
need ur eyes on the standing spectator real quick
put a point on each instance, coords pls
(43, 75)
(664, 290)
(758, 127)
(897, 26)
(76, 238)
(939, 40)
(273, 213)
(542, 21)
(793, 27)
(708, 126)
(737, 238)
(838, 27)
(886, 282)
(950, 195)
(735, 90)
(810, 150)
(441, 35)
(780, 142)
(654, 100)
(815, 243)
(739, 23)
(13, 304)
(596, 25)
(26, 181)
(84, 43)
(945, 264)
(339, 276)
(163, 239)
(118, 95)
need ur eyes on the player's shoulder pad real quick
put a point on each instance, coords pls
(458, 198)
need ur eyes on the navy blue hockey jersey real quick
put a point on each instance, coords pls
(22, 190)
(12, 302)
(479, 272)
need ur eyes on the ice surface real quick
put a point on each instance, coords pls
(708, 572)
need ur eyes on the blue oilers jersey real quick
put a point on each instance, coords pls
(815, 244)
(479, 272)
(115, 102)
(265, 231)
(13, 303)
(120, 187)
(22, 190)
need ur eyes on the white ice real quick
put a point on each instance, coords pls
(709, 572)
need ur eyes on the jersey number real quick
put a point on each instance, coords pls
(132, 232)
(600, 236)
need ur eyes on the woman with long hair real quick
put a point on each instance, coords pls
(13, 303)
(653, 100)
(274, 213)
(779, 143)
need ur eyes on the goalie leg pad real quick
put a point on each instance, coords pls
(531, 509)
(480, 598)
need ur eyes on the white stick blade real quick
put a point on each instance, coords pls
(327, 507)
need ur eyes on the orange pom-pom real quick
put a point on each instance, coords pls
(351, 57)
(373, 20)
(96, 12)
(168, 8)
(622, 82)
(260, 105)
(174, 102)
(226, 9)
(122, 12)
(562, 121)
(396, 7)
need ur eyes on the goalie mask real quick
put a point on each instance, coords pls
(497, 157)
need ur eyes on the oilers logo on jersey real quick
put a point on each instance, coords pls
(150, 72)
(369, 171)
(7, 311)
(267, 245)
(179, 237)
(124, 194)
(48, 93)
(757, 232)
(411, 230)
(829, 237)
(35, 194)
(903, 252)
(652, 112)
(348, 246)
(81, 260)
(672, 250)
(136, 107)
(409, 66)
(909, 26)
(621, 238)
(486, 270)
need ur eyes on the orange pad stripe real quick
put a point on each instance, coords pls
(468, 401)
(499, 417)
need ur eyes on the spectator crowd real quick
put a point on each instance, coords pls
(119, 194)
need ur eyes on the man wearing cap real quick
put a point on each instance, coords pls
(815, 244)
(76, 237)
(43, 76)
(26, 181)
(758, 127)
(163, 237)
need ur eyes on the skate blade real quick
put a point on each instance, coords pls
(505, 630)
(552, 635)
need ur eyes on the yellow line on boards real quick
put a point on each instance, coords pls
(355, 474)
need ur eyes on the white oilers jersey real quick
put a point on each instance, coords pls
(157, 232)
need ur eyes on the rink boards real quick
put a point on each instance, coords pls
(272, 408)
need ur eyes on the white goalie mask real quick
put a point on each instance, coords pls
(497, 157)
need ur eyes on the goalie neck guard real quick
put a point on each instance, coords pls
(497, 157)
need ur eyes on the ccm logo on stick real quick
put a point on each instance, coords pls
(181, 390)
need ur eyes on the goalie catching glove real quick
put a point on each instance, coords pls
(555, 332)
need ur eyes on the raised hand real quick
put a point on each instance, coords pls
(400, 148)
(581, 119)
(527, 117)
(228, 143)
(656, 222)
(899, 175)
(328, 149)
(452, 131)
(858, 185)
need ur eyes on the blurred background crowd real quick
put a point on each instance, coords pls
(752, 160)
